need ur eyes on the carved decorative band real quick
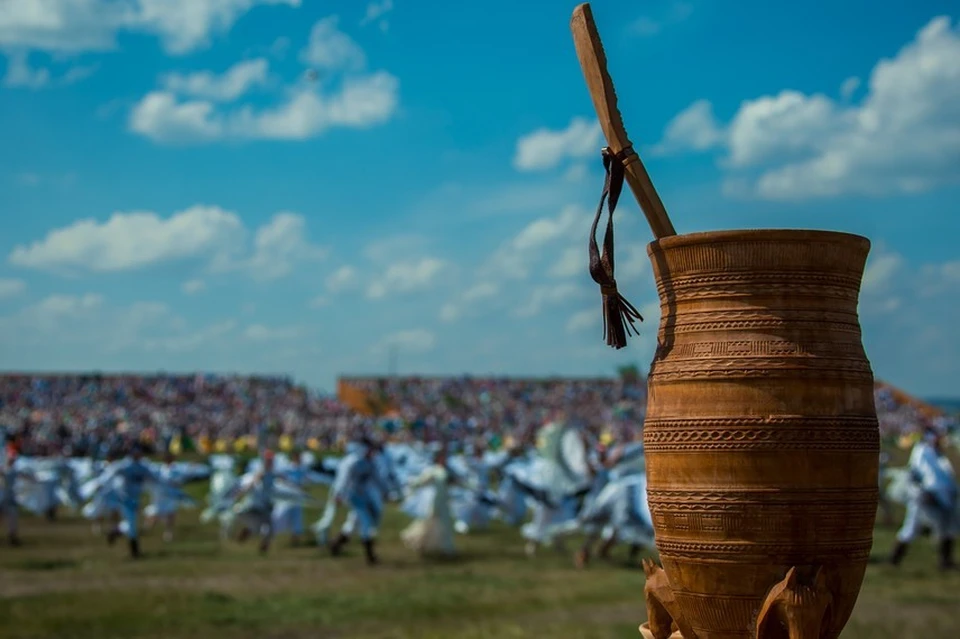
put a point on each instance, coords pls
(865, 438)
(684, 325)
(784, 421)
(758, 366)
(758, 440)
(749, 289)
(661, 373)
(767, 524)
(788, 315)
(766, 348)
(736, 499)
(762, 278)
(775, 552)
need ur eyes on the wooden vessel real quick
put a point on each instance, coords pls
(761, 435)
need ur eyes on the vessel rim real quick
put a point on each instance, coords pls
(740, 235)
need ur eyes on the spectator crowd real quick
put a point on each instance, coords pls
(95, 414)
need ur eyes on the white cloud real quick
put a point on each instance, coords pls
(318, 302)
(849, 87)
(583, 320)
(415, 340)
(185, 109)
(261, 333)
(545, 296)
(331, 49)
(376, 12)
(343, 279)
(162, 117)
(573, 261)
(453, 311)
(10, 287)
(450, 312)
(695, 128)
(647, 26)
(20, 74)
(514, 258)
(132, 240)
(407, 277)
(74, 26)
(128, 241)
(189, 340)
(394, 248)
(546, 148)
(82, 330)
(191, 287)
(481, 291)
(361, 102)
(28, 178)
(903, 137)
(281, 244)
(881, 267)
(233, 83)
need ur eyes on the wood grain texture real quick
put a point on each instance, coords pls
(593, 62)
(761, 433)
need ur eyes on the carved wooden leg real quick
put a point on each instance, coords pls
(664, 620)
(794, 610)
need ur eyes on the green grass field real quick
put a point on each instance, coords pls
(66, 583)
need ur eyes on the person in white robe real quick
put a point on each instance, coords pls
(10, 475)
(288, 513)
(431, 535)
(254, 507)
(933, 500)
(561, 471)
(167, 498)
(360, 484)
(321, 528)
(55, 485)
(131, 475)
(475, 507)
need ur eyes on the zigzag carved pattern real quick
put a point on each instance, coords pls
(760, 324)
(864, 439)
(764, 523)
(735, 500)
(778, 421)
(772, 319)
(766, 348)
(750, 289)
(733, 369)
(753, 278)
(775, 552)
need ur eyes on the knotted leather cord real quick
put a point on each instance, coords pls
(618, 313)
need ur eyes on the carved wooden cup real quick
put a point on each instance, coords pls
(761, 435)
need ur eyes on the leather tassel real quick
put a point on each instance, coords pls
(619, 315)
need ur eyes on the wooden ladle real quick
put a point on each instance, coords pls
(593, 61)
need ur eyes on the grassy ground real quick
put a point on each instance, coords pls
(66, 583)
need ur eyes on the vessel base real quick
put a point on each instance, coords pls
(646, 634)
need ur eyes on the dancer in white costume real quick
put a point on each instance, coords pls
(431, 533)
(167, 498)
(933, 499)
(321, 528)
(254, 508)
(473, 507)
(288, 513)
(131, 475)
(55, 485)
(561, 470)
(10, 475)
(360, 485)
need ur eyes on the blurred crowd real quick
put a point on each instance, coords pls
(97, 414)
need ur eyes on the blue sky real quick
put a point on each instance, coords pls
(301, 186)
